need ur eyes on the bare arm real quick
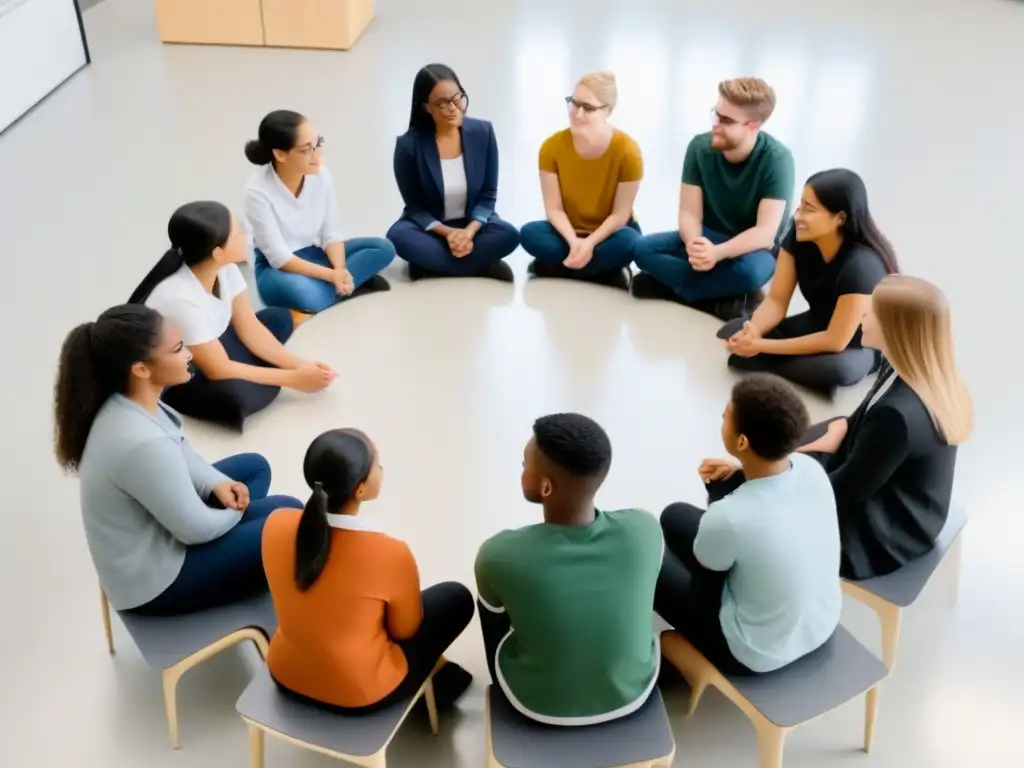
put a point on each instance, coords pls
(760, 237)
(845, 321)
(774, 308)
(622, 211)
(299, 266)
(336, 254)
(215, 364)
(691, 212)
(257, 338)
(553, 208)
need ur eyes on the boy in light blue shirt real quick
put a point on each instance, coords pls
(753, 583)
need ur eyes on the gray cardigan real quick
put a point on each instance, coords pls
(144, 494)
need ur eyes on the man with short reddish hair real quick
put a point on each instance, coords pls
(735, 195)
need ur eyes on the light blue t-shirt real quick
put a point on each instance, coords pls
(779, 539)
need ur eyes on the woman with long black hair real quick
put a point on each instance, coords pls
(355, 633)
(836, 254)
(240, 354)
(168, 532)
(446, 166)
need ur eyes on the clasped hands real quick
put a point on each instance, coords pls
(581, 251)
(712, 470)
(746, 342)
(343, 282)
(232, 494)
(460, 242)
(702, 254)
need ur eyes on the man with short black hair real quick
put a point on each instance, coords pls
(566, 605)
(753, 583)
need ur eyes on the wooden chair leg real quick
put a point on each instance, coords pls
(105, 609)
(171, 676)
(256, 747)
(870, 716)
(694, 668)
(890, 617)
(428, 697)
(771, 739)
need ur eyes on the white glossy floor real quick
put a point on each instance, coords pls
(921, 96)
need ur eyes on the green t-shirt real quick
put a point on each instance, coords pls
(582, 648)
(733, 191)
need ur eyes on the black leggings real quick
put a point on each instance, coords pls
(447, 610)
(821, 372)
(230, 401)
(688, 595)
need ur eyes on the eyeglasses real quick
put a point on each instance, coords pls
(588, 108)
(309, 149)
(460, 101)
(717, 118)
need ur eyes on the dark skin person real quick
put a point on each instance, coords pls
(567, 499)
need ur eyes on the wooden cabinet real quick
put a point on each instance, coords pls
(330, 24)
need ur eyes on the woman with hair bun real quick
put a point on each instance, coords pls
(168, 532)
(892, 462)
(240, 354)
(355, 634)
(302, 260)
(589, 176)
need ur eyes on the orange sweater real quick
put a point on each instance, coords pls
(335, 643)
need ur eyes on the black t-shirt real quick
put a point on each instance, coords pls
(855, 269)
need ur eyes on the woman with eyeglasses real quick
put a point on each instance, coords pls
(240, 354)
(589, 176)
(446, 166)
(302, 260)
(168, 532)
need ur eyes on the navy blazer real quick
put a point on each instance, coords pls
(418, 173)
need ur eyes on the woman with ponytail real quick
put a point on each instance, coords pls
(240, 354)
(892, 462)
(355, 634)
(836, 254)
(302, 260)
(168, 532)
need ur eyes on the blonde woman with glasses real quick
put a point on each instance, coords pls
(891, 463)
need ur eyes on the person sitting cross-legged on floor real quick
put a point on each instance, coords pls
(355, 634)
(168, 532)
(446, 166)
(302, 260)
(589, 176)
(753, 582)
(735, 195)
(240, 354)
(837, 255)
(566, 605)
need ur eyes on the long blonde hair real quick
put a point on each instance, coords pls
(914, 319)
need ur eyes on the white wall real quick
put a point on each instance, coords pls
(40, 47)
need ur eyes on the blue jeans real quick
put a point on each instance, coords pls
(663, 257)
(542, 241)
(230, 568)
(364, 258)
(495, 240)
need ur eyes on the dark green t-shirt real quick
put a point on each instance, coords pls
(582, 648)
(733, 191)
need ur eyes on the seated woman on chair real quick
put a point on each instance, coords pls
(168, 532)
(355, 634)
(753, 582)
(836, 254)
(302, 261)
(241, 357)
(892, 462)
(589, 175)
(446, 166)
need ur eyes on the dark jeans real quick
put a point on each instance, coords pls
(542, 241)
(495, 240)
(447, 611)
(230, 568)
(688, 595)
(663, 257)
(230, 401)
(821, 372)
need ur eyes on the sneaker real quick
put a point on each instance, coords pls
(647, 286)
(499, 270)
(619, 278)
(729, 309)
(754, 300)
(540, 268)
(375, 284)
(450, 682)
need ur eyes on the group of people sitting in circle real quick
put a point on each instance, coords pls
(565, 605)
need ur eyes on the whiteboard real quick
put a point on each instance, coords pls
(41, 46)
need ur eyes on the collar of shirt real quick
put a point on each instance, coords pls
(351, 523)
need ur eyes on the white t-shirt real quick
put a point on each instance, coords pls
(200, 316)
(281, 223)
(778, 537)
(453, 171)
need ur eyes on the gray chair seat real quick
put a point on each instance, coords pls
(840, 670)
(517, 742)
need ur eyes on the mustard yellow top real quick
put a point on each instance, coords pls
(588, 186)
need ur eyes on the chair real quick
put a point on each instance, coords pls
(778, 702)
(360, 739)
(176, 644)
(888, 595)
(641, 740)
